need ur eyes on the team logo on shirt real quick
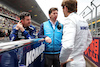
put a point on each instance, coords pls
(84, 27)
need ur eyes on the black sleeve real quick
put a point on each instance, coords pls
(41, 32)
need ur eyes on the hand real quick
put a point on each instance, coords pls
(66, 62)
(20, 26)
(48, 39)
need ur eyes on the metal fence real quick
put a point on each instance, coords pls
(92, 15)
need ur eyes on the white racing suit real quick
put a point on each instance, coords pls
(76, 38)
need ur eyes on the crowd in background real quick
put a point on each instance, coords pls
(6, 23)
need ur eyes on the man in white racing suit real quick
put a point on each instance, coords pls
(76, 36)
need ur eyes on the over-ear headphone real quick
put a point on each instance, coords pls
(59, 26)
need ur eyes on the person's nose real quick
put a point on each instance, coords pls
(56, 14)
(29, 20)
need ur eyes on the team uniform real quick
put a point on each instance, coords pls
(76, 38)
(29, 33)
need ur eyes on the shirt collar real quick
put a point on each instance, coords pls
(52, 22)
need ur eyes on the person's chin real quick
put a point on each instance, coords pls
(65, 15)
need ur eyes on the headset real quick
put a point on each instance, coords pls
(59, 26)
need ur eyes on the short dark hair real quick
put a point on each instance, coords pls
(23, 14)
(52, 9)
(70, 4)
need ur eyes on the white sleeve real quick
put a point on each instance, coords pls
(89, 39)
(69, 32)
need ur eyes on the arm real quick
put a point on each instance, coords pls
(14, 34)
(32, 33)
(26, 35)
(69, 31)
(41, 35)
(89, 39)
(19, 26)
(41, 32)
(66, 62)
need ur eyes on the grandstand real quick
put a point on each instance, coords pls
(98, 26)
(9, 11)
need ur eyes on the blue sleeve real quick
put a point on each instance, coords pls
(41, 32)
(26, 34)
(32, 33)
(14, 34)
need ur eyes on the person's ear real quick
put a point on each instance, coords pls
(49, 15)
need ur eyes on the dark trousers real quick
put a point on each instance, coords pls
(51, 59)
